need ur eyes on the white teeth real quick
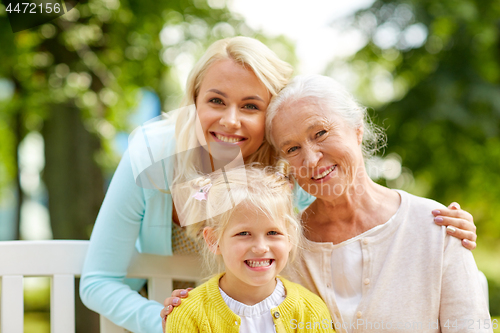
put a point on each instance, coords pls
(260, 263)
(227, 139)
(324, 173)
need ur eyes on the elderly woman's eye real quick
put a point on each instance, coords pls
(320, 133)
(291, 150)
(216, 100)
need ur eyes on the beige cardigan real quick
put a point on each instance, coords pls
(416, 278)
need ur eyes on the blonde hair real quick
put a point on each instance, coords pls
(264, 189)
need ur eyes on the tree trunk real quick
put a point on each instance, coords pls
(18, 133)
(73, 179)
(75, 186)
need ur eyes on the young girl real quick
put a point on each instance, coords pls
(251, 231)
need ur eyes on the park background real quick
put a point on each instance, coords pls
(73, 89)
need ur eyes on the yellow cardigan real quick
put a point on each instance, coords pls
(205, 311)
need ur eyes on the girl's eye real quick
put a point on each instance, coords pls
(216, 100)
(251, 107)
(243, 233)
(320, 133)
(292, 149)
(273, 233)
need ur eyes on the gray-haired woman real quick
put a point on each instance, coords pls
(372, 253)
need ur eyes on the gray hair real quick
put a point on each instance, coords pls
(328, 93)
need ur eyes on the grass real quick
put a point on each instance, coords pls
(37, 322)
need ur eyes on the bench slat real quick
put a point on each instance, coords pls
(159, 289)
(12, 309)
(62, 304)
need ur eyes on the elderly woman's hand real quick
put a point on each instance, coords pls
(459, 224)
(174, 300)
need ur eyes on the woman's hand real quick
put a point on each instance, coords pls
(459, 224)
(174, 300)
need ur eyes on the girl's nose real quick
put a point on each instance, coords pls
(231, 118)
(260, 247)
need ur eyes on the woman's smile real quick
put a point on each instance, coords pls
(324, 175)
(219, 137)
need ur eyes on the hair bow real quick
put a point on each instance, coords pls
(202, 194)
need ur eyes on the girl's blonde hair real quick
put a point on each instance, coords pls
(266, 190)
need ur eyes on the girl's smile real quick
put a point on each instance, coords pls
(255, 250)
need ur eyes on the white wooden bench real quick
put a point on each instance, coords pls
(62, 261)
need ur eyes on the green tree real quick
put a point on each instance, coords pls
(431, 71)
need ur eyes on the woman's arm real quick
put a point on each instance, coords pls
(103, 287)
(459, 224)
(463, 306)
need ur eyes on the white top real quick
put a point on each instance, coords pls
(257, 318)
(416, 277)
(347, 258)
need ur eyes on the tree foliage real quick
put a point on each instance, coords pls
(431, 71)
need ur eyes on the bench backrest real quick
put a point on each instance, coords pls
(62, 261)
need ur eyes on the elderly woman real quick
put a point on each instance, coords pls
(372, 253)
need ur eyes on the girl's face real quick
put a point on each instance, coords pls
(231, 106)
(254, 248)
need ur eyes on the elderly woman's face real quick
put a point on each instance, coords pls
(322, 149)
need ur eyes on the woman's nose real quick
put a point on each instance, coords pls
(311, 157)
(231, 118)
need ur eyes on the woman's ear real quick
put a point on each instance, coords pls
(359, 134)
(211, 240)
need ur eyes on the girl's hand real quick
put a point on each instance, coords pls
(459, 224)
(170, 302)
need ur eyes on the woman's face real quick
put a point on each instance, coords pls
(322, 149)
(231, 106)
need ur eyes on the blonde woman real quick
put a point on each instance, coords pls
(231, 87)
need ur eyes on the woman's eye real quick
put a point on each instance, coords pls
(251, 107)
(292, 149)
(216, 100)
(320, 133)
